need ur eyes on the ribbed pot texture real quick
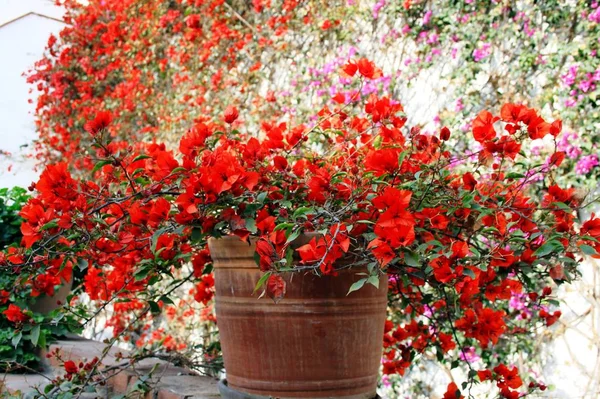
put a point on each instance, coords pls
(317, 342)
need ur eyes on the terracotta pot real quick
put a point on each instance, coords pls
(317, 342)
(46, 304)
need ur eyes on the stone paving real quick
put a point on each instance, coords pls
(169, 382)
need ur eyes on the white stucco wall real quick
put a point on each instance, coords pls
(22, 42)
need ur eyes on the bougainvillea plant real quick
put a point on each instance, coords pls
(458, 235)
(22, 331)
(157, 65)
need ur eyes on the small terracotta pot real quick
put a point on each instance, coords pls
(317, 342)
(45, 304)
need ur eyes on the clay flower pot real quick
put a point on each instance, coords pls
(45, 304)
(317, 342)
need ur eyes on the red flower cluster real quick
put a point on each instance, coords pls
(15, 314)
(359, 186)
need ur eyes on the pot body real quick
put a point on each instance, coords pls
(46, 304)
(317, 342)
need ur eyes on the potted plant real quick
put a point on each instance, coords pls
(307, 227)
(27, 320)
(312, 320)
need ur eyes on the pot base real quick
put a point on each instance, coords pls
(230, 393)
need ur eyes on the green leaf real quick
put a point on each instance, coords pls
(138, 170)
(302, 211)
(289, 257)
(490, 229)
(251, 225)
(42, 339)
(514, 175)
(261, 281)
(357, 285)
(401, 157)
(154, 308)
(553, 302)
(470, 273)
(374, 281)
(439, 355)
(563, 206)
(166, 300)
(589, 238)
(467, 199)
(16, 339)
(371, 267)
(293, 236)
(50, 225)
(196, 234)
(548, 248)
(369, 236)
(140, 157)
(411, 259)
(35, 334)
(261, 197)
(588, 250)
(82, 264)
(143, 272)
(101, 164)
(282, 226)
(178, 170)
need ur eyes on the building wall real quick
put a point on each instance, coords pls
(22, 42)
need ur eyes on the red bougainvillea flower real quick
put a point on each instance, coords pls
(15, 314)
(537, 127)
(56, 183)
(276, 287)
(452, 392)
(484, 375)
(445, 134)
(550, 318)
(469, 181)
(508, 377)
(395, 225)
(325, 250)
(266, 253)
(592, 229)
(349, 69)
(485, 325)
(368, 69)
(483, 126)
(557, 158)
(99, 123)
(70, 367)
(4, 295)
(44, 284)
(353, 184)
(231, 114)
(514, 113)
(441, 269)
(204, 290)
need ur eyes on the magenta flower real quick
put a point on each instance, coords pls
(427, 17)
(482, 52)
(586, 164)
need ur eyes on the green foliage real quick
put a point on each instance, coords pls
(20, 343)
(11, 201)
